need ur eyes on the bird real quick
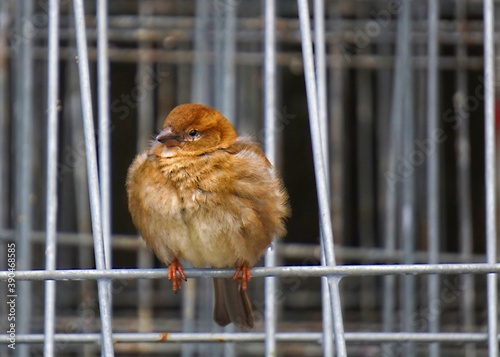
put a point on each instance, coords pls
(202, 193)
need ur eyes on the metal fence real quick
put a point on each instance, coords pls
(380, 115)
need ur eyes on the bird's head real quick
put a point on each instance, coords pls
(196, 129)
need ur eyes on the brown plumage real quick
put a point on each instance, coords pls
(203, 194)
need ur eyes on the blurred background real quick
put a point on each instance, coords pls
(392, 113)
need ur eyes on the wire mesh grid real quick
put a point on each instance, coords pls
(380, 115)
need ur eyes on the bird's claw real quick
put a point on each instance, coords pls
(245, 276)
(174, 268)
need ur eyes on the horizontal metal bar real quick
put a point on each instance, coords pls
(250, 30)
(294, 59)
(298, 271)
(362, 337)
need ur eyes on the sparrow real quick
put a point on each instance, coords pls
(202, 193)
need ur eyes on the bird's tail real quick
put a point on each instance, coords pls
(232, 304)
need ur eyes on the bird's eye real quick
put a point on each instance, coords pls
(193, 133)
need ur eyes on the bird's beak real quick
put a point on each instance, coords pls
(168, 138)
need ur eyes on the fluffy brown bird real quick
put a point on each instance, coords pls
(203, 194)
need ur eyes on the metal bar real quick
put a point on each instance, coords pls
(228, 60)
(326, 306)
(433, 213)
(491, 233)
(338, 88)
(270, 313)
(296, 337)
(23, 183)
(145, 128)
(104, 123)
(386, 145)
(124, 28)
(395, 144)
(392, 188)
(320, 173)
(104, 127)
(73, 198)
(189, 315)
(320, 64)
(200, 91)
(4, 118)
(467, 302)
(5, 172)
(245, 58)
(298, 271)
(365, 162)
(52, 155)
(218, 56)
(103, 285)
(408, 205)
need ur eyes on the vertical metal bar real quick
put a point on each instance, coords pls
(104, 126)
(188, 315)
(433, 168)
(23, 169)
(320, 171)
(104, 137)
(408, 214)
(408, 194)
(52, 155)
(270, 149)
(4, 146)
(337, 87)
(320, 62)
(365, 161)
(391, 176)
(491, 234)
(4, 118)
(218, 55)
(83, 66)
(201, 73)
(433, 214)
(228, 79)
(145, 128)
(463, 180)
(386, 142)
(326, 298)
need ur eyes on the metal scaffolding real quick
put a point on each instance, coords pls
(380, 115)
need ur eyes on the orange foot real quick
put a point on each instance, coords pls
(245, 275)
(174, 268)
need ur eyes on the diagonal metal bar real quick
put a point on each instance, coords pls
(320, 171)
(320, 63)
(104, 137)
(93, 181)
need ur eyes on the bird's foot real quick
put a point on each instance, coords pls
(245, 275)
(174, 268)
